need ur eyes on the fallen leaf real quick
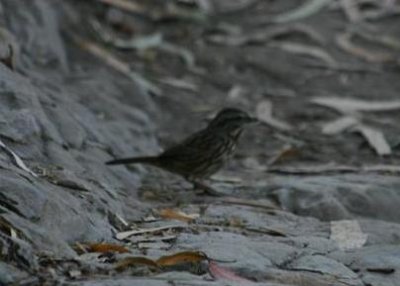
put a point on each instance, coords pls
(134, 261)
(221, 273)
(178, 215)
(105, 247)
(347, 234)
(348, 105)
(264, 114)
(182, 257)
(375, 138)
(283, 154)
(339, 125)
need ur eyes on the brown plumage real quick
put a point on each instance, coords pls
(202, 154)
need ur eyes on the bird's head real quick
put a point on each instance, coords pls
(231, 119)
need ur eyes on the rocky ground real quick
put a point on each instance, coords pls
(311, 198)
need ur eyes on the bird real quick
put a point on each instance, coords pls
(203, 153)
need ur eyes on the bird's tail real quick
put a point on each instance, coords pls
(134, 160)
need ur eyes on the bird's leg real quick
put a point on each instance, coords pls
(202, 186)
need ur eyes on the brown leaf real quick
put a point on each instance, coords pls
(103, 247)
(181, 257)
(176, 214)
(219, 273)
(283, 154)
(134, 261)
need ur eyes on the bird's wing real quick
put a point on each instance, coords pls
(197, 142)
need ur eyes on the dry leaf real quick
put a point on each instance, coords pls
(178, 215)
(104, 247)
(264, 114)
(348, 234)
(134, 261)
(283, 154)
(221, 273)
(182, 257)
(339, 125)
(375, 138)
(348, 105)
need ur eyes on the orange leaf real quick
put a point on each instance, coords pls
(105, 247)
(176, 214)
(219, 272)
(181, 257)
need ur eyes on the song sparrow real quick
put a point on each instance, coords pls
(202, 154)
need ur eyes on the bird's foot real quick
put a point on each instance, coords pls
(208, 190)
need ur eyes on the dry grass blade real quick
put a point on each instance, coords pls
(307, 9)
(238, 39)
(348, 234)
(376, 139)
(339, 125)
(344, 42)
(18, 161)
(115, 63)
(301, 49)
(125, 234)
(348, 105)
